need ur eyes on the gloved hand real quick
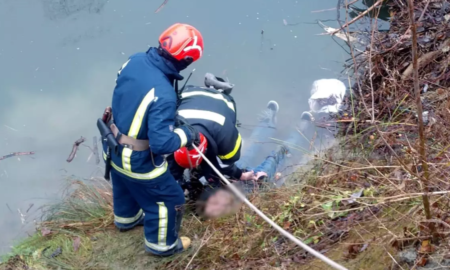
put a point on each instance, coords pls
(195, 136)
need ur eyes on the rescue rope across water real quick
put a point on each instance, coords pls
(271, 222)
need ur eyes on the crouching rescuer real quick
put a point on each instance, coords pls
(140, 130)
(211, 110)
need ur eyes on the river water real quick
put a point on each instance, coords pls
(59, 60)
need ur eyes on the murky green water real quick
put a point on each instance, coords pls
(59, 60)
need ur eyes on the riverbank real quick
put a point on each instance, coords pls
(372, 202)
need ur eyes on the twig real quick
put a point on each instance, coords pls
(438, 221)
(330, 9)
(201, 245)
(393, 258)
(29, 207)
(95, 150)
(424, 59)
(424, 10)
(161, 6)
(425, 179)
(76, 144)
(358, 17)
(17, 154)
(9, 209)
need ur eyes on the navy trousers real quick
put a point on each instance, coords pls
(158, 206)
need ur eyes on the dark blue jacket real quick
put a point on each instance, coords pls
(213, 114)
(144, 107)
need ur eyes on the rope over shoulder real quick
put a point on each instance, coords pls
(271, 222)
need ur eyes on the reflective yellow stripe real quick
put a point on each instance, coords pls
(159, 247)
(140, 176)
(182, 136)
(211, 95)
(128, 220)
(200, 114)
(236, 148)
(162, 230)
(126, 159)
(140, 114)
(136, 127)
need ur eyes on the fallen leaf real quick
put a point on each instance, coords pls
(76, 243)
(422, 261)
(426, 247)
(45, 231)
(355, 195)
(286, 225)
(236, 257)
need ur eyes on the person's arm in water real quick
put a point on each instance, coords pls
(232, 148)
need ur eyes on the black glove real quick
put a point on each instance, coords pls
(195, 136)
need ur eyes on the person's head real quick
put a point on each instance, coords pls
(215, 203)
(182, 44)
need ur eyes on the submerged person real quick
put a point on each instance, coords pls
(144, 108)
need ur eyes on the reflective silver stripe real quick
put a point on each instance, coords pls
(182, 136)
(211, 95)
(160, 247)
(221, 164)
(126, 158)
(140, 176)
(128, 220)
(201, 114)
(162, 231)
(163, 220)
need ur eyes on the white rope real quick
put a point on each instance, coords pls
(271, 222)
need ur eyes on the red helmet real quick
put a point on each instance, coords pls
(190, 159)
(182, 41)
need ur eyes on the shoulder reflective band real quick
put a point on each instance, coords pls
(211, 95)
(201, 114)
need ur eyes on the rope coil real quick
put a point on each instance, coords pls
(271, 222)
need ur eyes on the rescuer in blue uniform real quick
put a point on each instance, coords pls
(143, 123)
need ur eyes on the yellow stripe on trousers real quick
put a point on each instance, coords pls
(162, 231)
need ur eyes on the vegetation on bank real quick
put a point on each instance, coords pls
(378, 200)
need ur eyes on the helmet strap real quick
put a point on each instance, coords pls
(178, 64)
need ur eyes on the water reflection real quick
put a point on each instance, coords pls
(381, 13)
